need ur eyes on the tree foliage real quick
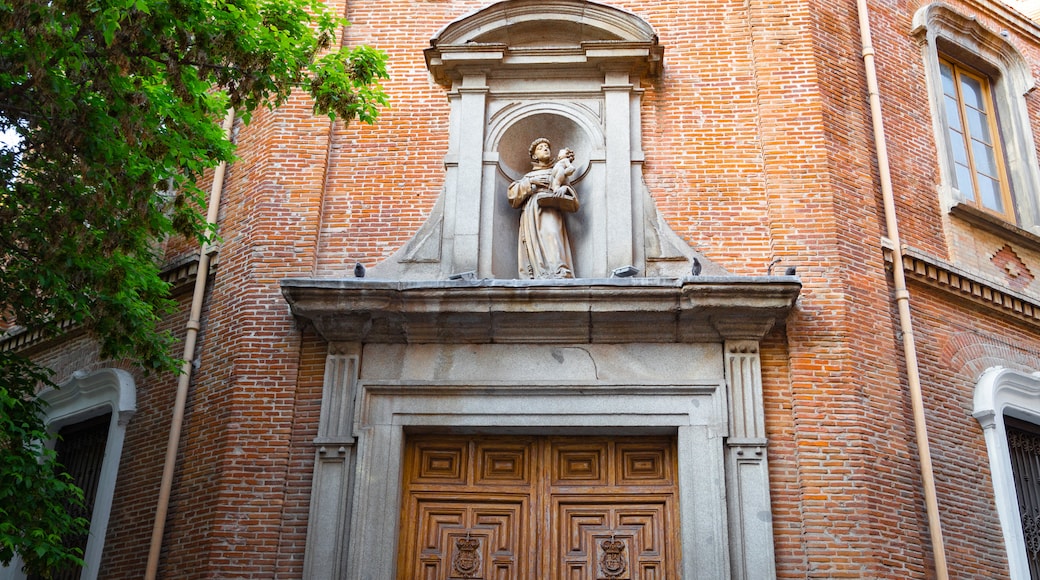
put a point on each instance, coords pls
(116, 105)
(34, 494)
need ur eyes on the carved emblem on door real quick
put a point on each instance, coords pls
(612, 563)
(465, 563)
(525, 507)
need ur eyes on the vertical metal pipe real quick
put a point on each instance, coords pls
(902, 298)
(184, 379)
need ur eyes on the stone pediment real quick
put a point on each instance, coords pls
(521, 34)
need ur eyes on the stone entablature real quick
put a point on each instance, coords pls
(692, 309)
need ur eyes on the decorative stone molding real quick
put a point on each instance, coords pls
(1002, 392)
(959, 283)
(337, 401)
(515, 311)
(744, 377)
(584, 34)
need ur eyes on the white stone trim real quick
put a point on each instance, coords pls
(999, 392)
(84, 396)
(942, 30)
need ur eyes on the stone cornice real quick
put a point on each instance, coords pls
(613, 310)
(178, 274)
(946, 277)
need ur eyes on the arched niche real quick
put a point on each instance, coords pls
(510, 134)
(569, 70)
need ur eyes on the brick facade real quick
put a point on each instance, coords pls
(758, 153)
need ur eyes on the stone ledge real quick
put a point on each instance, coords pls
(995, 225)
(616, 310)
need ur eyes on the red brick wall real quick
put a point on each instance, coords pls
(140, 467)
(758, 146)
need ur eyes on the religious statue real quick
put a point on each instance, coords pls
(543, 195)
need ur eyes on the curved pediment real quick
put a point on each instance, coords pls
(552, 23)
(532, 32)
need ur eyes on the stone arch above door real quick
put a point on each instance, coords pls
(569, 70)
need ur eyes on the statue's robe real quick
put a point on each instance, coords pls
(544, 250)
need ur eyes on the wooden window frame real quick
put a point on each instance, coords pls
(995, 138)
(945, 34)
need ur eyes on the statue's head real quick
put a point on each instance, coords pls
(534, 146)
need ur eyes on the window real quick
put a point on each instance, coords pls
(974, 143)
(977, 82)
(1007, 406)
(81, 452)
(91, 412)
(1024, 447)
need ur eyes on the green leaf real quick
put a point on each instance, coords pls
(118, 106)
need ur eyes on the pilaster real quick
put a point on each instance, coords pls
(327, 536)
(617, 96)
(747, 473)
(463, 216)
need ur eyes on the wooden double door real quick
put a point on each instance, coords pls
(539, 508)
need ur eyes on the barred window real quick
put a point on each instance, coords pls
(81, 453)
(1024, 448)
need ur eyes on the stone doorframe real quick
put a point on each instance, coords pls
(618, 356)
(693, 412)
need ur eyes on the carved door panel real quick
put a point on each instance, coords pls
(526, 508)
(610, 538)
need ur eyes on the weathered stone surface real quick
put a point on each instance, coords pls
(558, 311)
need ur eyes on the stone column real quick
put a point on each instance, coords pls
(747, 474)
(327, 534)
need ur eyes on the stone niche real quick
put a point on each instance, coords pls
(572, 72)
(442, 337)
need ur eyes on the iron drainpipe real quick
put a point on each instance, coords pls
(902, 298)
(185, 375)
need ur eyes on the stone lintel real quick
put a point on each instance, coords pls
(616, 310)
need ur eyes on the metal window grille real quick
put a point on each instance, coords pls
(1024, 445)
(81, 451)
